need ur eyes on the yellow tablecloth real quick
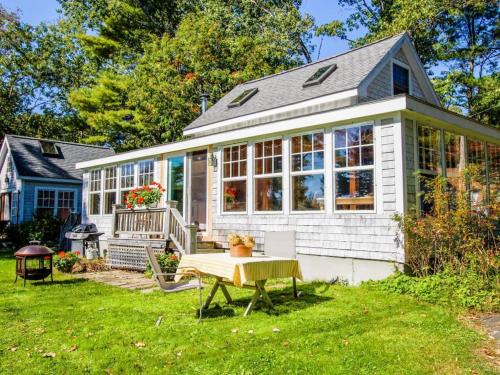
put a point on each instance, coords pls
(242, 270)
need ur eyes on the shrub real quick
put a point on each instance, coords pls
(64, 262)
(42, 228)
(454, 236)
(168, 263)
(89, 265)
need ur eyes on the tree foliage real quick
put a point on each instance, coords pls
(456, 39)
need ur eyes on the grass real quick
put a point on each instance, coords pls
(95, 328)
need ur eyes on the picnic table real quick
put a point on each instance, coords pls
(248, 272)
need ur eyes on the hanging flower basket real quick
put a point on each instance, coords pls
(145, 196)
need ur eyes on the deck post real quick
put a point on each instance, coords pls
(191, 230)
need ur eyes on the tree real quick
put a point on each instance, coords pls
(458, 38)
(147, 93)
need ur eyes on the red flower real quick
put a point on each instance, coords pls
(129, 205)
(140, 200)
(61, 254)
(77, 253)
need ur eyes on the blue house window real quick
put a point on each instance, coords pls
(46, 202)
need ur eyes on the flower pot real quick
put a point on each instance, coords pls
(240, 251)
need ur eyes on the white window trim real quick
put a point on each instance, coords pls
(56, 197)
(90, 192)
(403, 65)
(229, 179)
(115, 190)
(357, 168)
(256, 176)
(307, 173)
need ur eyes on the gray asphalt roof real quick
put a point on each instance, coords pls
(30, 162)
(286, 87)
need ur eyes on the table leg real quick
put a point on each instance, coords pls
(252, 303)
(211, 295)
(260, 285)
(224, 291)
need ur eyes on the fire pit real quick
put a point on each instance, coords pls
(34, 262)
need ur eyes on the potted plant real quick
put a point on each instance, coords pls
(240, 246)
(147, 196)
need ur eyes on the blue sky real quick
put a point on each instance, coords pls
(36, 11)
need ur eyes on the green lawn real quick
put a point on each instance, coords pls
(94, 328)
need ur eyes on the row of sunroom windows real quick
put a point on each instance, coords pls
(353, 171)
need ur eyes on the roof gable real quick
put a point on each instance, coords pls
(286, 88)
(31, 162)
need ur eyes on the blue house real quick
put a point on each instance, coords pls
(39, 176)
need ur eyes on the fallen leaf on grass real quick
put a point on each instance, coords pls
(49, 355)
(72, 348)
(286, 343)
(140, 344)
(250, 332)
(178, 354)
(234, 330)
(13, 349)
(276, 329)
(89, 334)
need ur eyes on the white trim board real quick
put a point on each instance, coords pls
(355, 113)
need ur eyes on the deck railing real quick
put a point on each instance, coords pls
(155, 224)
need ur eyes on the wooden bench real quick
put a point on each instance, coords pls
(134, 230)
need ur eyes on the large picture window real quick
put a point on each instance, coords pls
(109, 189)
(95, 192)
(307, 172)
(234, 181)
(268, 159)
(58, 203)
(354, 171)
(146, 172)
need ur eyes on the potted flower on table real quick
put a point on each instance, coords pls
(240, 246)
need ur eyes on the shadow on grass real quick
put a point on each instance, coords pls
(283, 300)
(57, 282)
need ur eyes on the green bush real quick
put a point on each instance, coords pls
(42, 228)
(469, 290)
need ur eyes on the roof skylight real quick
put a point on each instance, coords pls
(243, 97)
(320, 75)
(48, 148)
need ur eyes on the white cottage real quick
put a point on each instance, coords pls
(332, 150)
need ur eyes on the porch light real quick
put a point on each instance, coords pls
(212, 161)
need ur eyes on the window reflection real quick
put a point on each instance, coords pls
(308, 193)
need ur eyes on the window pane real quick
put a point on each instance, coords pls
(235, 153)
(268, 148)
(353, 136)
(353, 157)
(243, 152)
(318, 141)
(110, 178)
(94, 204)
(109, 201)
(146, 172)
(268, 165)
(319, 160)
(243, 168)
(477, 168)
(296, 162)
(367, 135)
(425, 187)
(340, 138)
(494, 172)
(277, 147)
(234, 169)
(258, 150)
(308, 193)
(95, 180)
(340, 158)
(428, 149)
(367, 155)
(227, 154)
(235, 196)
(278, 165)
(127, 176)
(307, 162)
(259, 166)
(296, 144)
(268, 194)
(307, 142)
(175, 188)
(400, 79)
(354, 190)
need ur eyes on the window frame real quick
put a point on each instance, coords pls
(56, 191)
(229, 179)
(95, 192)
(372, 167)
(144, 161)
(113, 190)
(402, 65)
(256, 176)
(292, 174)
